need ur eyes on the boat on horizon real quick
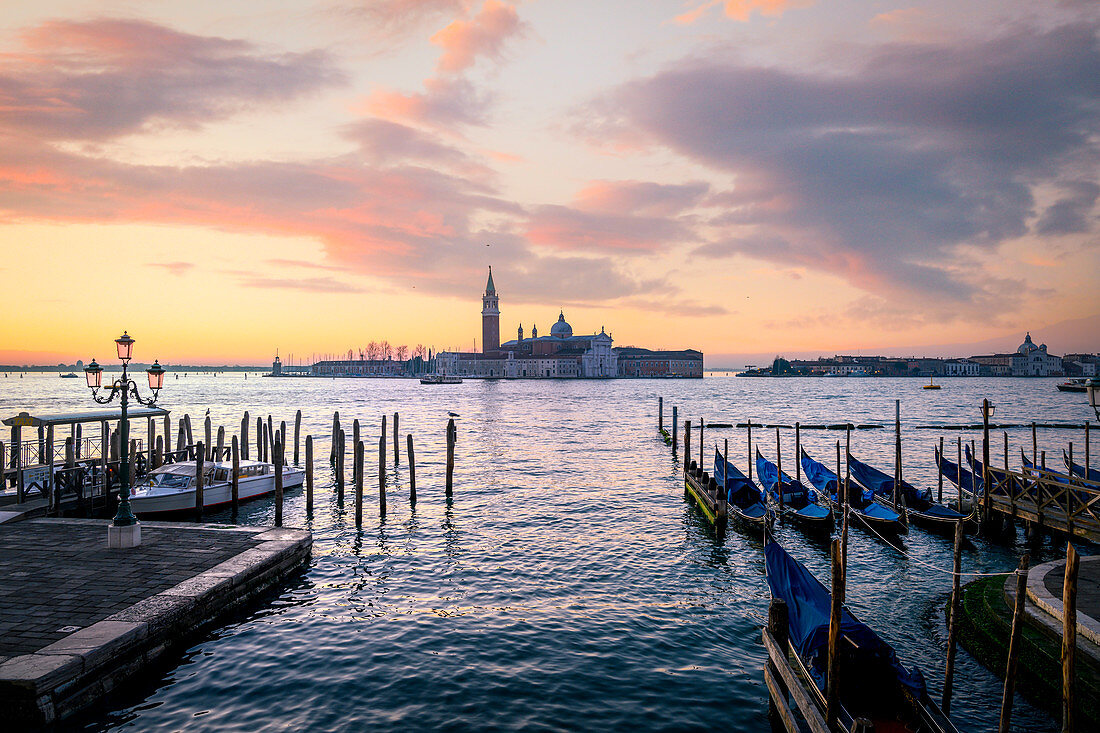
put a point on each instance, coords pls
(440, 379)
(1077, 384)
(171, 488)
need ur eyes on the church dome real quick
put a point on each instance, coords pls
(561, 329)
(1027, 346)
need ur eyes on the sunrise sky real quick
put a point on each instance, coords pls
(744, 177)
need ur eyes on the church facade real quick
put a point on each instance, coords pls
(561, 354)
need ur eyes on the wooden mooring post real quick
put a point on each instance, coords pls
(309, 474)
(450, 455)
(939, 473)
(675, 431)
(750, 449)
(259, 438)
(199, 456)
(277, 454)
(339, 444)
(235, 485)
(798, 454)
(1014, 646)
(358, 483)
(660, 414)
(244, 436)
(779, 628)
(953, 617)
(987, 520)
(297, 433)
(687, 444)
(832, 694)
(382, 476)
(219, 454)
(335, 435)
(412, 470)
(283, 440)
(1069, 637)
(207, 431)
(396, 441)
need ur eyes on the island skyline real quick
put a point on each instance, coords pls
(746, 177)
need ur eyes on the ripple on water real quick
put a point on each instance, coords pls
(567, 585)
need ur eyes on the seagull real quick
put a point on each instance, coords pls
(453, 414)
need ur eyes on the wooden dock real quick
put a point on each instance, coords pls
(1047, 500)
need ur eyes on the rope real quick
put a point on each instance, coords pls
(929, 565)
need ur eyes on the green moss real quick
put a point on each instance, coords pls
(984, 629)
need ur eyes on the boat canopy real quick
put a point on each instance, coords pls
(25, 419)
(971, 483)
(883, 484)
(739, 489)
(817, 474)
(808, 607)
(793, 491)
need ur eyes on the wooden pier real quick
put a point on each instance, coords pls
(1047, 500)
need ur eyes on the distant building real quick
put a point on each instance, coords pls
(561, 354)
(961, 368)
(1028, 360)
(361, 368)
(635, 362)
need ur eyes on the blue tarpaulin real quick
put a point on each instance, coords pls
(883, 484)
(808, 606)
(821, 477)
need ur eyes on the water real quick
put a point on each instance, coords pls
(568, 585)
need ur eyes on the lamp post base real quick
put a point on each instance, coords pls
(123, 537)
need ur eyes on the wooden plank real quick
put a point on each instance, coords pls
(806, 705)
(781, 705)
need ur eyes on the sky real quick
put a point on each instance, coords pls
(743, 177)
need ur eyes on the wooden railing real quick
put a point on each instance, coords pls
(1050, 499)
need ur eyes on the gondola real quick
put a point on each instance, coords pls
(918, 505)
(964, 479)
(744, 499)
(873, 683)
(799, 503)
(1078, 471)
(872, 516)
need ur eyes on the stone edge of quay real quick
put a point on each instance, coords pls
(74, 672)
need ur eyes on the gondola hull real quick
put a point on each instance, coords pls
(940, 524)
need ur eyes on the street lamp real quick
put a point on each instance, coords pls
(124, 530)
(1094, 394)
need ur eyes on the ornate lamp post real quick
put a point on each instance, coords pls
(1094, 396)
(124, 530)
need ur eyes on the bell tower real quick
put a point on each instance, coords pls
(490, 317)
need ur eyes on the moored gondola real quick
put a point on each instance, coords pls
(745, 501)
(871, 516)
(873, 683)
(963, 478)
(799, 503)
(918, 505)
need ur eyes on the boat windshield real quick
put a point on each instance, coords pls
(166, 480)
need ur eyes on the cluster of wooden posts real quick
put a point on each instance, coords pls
(780, 677)
(271, 445)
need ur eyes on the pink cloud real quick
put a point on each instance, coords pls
(444, 104)
(463, 41)
(175, 268)
(565, 228)
(100, 79)
(640, 197)
(742, 10)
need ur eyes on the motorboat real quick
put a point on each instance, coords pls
(1074, 385)
(440, 379)
(171, 488)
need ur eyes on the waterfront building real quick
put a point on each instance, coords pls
(636, 362)
(561, 354)
(1028, 360)
(960, 368)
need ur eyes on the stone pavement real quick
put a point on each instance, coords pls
(54, 577)
(77, 620)
(1044, 589)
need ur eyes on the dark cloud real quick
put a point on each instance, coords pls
(100, 79)
(1070, 214)
(385, 143)
(644, 198)
(879, 173)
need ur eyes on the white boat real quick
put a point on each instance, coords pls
(440, 379)
(171, 488)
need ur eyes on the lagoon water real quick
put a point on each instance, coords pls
(568, 585)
